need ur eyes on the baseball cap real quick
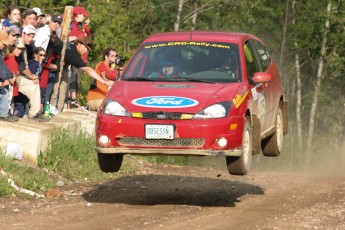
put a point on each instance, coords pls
(28, 12)
(4, 38)
(57, 18)
(13, 30)
(7, 22)
(19, 44)
(86, 41)
(38, 11)
(80, 10)
(29, 29)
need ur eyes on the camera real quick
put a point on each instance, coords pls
(120, 61)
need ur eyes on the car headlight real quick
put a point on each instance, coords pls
(113, 108)
(218, 110)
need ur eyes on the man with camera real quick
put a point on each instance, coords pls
(106, 70)
(74, 52)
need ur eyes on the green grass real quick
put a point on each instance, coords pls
(72, 157)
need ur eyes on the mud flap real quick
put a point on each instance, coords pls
(256, 135)
(285, 110)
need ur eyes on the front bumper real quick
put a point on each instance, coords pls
(169, 152)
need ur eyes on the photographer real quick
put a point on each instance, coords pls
(106, 70)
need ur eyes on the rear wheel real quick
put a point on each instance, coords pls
(272, 146)
(109, 162)
(241, 165)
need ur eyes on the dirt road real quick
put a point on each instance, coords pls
(173, 197)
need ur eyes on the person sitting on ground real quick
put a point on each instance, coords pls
(168, 70)
(73, 54)
(5, 76)
(98, 90)
(35, 67)
(28, 83)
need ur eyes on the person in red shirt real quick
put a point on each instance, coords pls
(79, 29)
(11, 63)
(97, 93)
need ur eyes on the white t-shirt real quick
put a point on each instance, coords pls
(42, 37)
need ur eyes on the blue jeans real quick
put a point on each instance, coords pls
(4, 103)
(50, 86)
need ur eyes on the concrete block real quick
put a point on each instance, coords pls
(34, 137)
(87, 120)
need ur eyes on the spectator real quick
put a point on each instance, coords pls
(13, 14)
(79, 29)
(52, 66)
(96, 94)
(6, 24)
(43, 34)
(35, 67)
(29, 18)
(72, 57)
(40, 17)
(5, 76)
(28, 83)
(14, 51)
(13, 34)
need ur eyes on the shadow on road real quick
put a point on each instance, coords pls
(161, 189)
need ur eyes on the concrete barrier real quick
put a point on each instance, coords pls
(34, 137)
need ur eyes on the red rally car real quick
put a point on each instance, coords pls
(199, 93)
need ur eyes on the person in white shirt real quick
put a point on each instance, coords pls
(43, 34)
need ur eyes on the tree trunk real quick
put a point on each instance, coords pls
(195, 14)
(317, 89)
(282, 49)
(179, 11)
(298, 88)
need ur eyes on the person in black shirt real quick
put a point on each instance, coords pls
(72, 57)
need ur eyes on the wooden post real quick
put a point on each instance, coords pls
(65, 28)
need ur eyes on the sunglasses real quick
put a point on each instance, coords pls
(42, 55)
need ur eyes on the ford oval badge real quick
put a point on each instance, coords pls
(165, 102)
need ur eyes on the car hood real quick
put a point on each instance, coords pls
(170, 96)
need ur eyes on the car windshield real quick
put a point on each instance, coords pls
(185, 61)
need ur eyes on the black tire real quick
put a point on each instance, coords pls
(272, 146)
(109, 162)
(241, 165)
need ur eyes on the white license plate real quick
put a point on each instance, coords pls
(159, 132)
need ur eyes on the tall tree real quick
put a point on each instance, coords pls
(319, 77)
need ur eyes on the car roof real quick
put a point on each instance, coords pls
(209, 36)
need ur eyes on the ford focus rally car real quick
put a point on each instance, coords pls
(195, 93)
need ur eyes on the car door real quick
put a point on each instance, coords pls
(260, 91)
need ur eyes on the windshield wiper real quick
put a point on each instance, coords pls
(194, 80)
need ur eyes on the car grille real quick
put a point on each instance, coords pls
(161, 116)
(190, 142)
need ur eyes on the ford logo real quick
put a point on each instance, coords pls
(165, 102)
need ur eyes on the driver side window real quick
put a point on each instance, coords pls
(251, 64)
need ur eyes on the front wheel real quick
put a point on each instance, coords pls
(109, 162)
(241, 165)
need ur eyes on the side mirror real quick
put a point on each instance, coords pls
(261, 77)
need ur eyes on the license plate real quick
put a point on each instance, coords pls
(159, 132)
